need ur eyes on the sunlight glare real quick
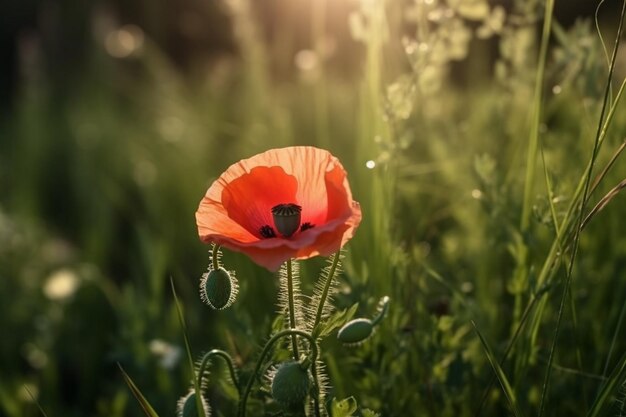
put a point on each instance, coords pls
(125, 41)
(61, 284)
(306, 60)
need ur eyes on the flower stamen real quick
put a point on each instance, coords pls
(267, 232)
(287, 218)
(306, 226)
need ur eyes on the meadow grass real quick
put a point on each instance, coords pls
(473, 198)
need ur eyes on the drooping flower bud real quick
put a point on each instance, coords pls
(356, 331)
(187, 406)
(218, 288)
(287, 218)
(290, 383)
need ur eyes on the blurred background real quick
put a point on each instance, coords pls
(115, 117)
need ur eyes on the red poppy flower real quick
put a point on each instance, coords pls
(283, 203)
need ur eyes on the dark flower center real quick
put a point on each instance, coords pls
(287, 218)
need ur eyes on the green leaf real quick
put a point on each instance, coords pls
(145, 405)
(369, 413)
(504, 382)
(335, 321)
(343, 408)
(278, 324)
(616, 377)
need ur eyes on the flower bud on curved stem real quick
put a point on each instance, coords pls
(188, 405)
(229, 361)
(358, 331)
(218, 287)
(266, 349)
(290, 383)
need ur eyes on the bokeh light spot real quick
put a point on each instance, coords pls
(125, 41)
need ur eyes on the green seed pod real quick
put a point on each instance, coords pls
(290, 384)
(287, 218)
(187, 406)
(356, 331)
(218, 288)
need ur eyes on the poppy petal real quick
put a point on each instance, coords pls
(239, 203)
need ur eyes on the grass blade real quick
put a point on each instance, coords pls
(616, 154)
(145, 405)
(34, 399)
(550, 191)
(603, 202)
(616, 377)
(196, 382)
(533, 141)
(594, 154)
(497, 369)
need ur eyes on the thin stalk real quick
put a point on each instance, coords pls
(531, 160)
(536, 118)
(614, 340)
(292, 312)
(589, 173)
(316, 397)
(318, 317)
(325, 291)
(507, 351)
(558, 238)
(231, 368)
(318, 29)
(215, 257)
(266, 349)
(556, 249)
(199, 406)
(609, 165)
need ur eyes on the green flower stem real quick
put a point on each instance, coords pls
(316, 381)
(229, 361)
(324, 296)
(292, 312)
(384, 306)
(214, 256)
(291, 332)
(318, 318)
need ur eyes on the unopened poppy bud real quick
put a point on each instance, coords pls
(287, 218)
(218, 288)
(290, 383)
(187, 406)
(356, 331)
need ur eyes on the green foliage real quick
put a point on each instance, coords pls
(428, 108)
(335, 321)
(343, 408)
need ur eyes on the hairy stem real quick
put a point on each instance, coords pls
(229, 361)
(292, 310)
(215, 257)
(266, 349)
(325, 291)
(316, 381)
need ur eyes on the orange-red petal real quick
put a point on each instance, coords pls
(239, 202)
